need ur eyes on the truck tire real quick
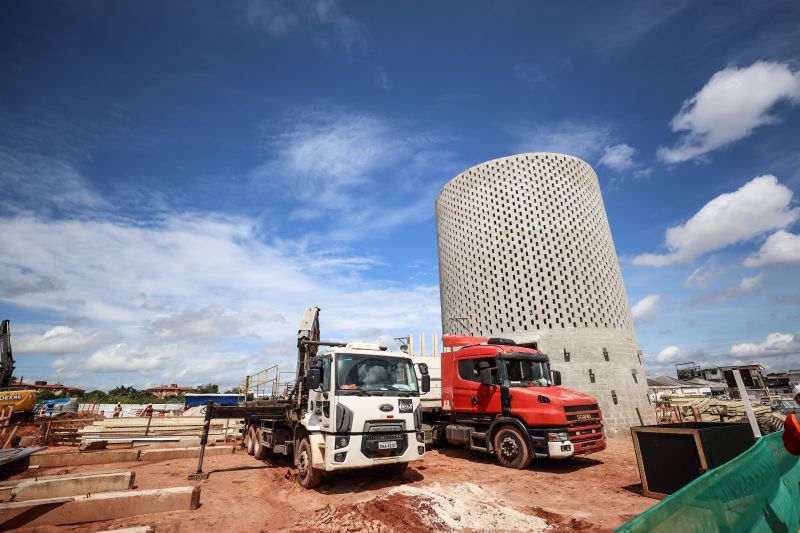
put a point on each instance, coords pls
(251, 440)
(308, 476)
(511, 448)
(397, 469)
(260, 451)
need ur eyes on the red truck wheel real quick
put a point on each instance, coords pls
(511, 448)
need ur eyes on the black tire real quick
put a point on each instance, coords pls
(308, 476)
(260, 451)
(251, 440)
(511, 448)
(397, 469)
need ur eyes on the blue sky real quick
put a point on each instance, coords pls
(181, 179)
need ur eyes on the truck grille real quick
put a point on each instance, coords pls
(378, 434)
(574, 408)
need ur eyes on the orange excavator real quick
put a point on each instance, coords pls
(21, 399)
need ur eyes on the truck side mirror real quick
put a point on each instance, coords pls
(313, 379)
(556, 377)
(485, 372)
(426, 383)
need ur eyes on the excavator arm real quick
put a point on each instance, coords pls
(6, 359)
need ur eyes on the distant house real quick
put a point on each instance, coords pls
(665, 385)
(711, 374)
(754, 378)
(42, 386)
(166, 391)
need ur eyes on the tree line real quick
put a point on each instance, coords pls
(123, 394)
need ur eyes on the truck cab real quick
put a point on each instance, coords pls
(364, 410)
(503, 398)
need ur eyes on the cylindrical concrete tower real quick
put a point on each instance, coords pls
(525, 252)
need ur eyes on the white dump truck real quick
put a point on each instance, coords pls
(354, 405)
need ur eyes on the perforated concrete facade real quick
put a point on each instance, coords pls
(525, 252)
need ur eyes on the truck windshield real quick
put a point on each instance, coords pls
(374, 374)
(527, 373)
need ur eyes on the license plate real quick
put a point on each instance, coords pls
(387, 445)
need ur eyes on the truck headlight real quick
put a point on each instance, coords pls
(557, 437)
(342, 441)
(420, 436)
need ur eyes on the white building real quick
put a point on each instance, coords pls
(525, 252)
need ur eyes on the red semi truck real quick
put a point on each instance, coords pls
(500, 397)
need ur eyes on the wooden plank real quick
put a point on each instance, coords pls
(97, 507)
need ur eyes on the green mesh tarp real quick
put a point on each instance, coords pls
(757, 491)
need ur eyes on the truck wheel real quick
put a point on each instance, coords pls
(308, 476)
(511, 448)
(397, 469)
(259, 450)
(251, 441)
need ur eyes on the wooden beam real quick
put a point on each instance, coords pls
(58, 486)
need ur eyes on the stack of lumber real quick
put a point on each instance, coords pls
(117, 429)
(713, 410)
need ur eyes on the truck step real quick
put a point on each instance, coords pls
(478, 441)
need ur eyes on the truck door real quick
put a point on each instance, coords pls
(323, 396)
(473, 402)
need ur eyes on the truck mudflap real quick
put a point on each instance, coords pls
(317, 441)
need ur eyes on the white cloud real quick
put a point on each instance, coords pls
(730, 106)
(60, 340)
(324, 20)
(760, 205)
(583, 140)
(618, 157)
(55, 184)
(188, 298)
(323, 155)
(671, 354)
(706, 274)
(775, 344)
(344, 162)
(645, 309)
(780, 247)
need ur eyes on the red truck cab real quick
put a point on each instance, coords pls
(503, 398)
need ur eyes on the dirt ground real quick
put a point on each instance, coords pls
(453, 489)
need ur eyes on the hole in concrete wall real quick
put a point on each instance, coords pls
(591, 376)
(614, 396)
(566, 356)
(605, 354)
(639, 356)
(635, 377)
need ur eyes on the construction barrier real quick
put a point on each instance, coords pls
(757, 491)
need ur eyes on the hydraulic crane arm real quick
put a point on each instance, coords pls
(6, 359)
(307, 339)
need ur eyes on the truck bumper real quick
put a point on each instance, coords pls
(559, 450)
(351, 456)
(585, 447)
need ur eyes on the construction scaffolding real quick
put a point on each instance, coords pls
(268, 384)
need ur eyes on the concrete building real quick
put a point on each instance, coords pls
(525, 252)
